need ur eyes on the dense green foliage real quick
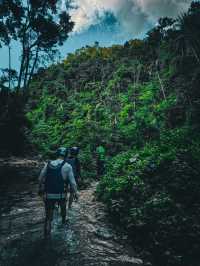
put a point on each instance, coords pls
(141, 101)
(13, 124)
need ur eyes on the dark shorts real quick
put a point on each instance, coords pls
(70, 189)
(100, 168)
(50, 206)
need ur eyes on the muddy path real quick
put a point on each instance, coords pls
(87, 239)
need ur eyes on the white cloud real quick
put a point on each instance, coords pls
(133, 15)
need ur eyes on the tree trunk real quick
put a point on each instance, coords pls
(196, 55)
(9, 68)
(21, 71)
(161, 86)
(26, 67)
(33, 67)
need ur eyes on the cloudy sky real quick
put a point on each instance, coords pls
(109, 22)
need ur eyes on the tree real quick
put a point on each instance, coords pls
(40, 26)
(188, 39)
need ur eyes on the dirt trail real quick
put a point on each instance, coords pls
(87, 239)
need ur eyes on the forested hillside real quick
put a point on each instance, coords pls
(141, 101)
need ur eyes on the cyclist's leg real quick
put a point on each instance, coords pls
(62, 204)
(71, 197)
(49, 207)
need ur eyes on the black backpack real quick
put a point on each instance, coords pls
(54, 183)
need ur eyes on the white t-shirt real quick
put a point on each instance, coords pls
(66, 171)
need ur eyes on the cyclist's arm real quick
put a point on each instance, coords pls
(68, 175)
(78, 167)
(42, 176)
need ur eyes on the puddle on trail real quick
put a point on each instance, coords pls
(86, 240)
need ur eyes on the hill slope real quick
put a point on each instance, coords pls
(141, 102)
